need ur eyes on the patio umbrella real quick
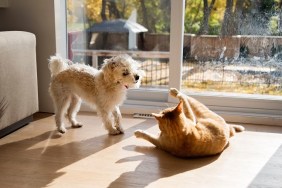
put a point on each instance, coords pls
(117, 26)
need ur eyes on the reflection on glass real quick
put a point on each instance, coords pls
(98, 29)
(233, 46)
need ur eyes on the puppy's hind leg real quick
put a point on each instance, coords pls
(72, 111)
(61, 105)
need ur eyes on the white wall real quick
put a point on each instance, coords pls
(36, 16)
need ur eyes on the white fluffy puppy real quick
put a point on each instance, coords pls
(105, 88)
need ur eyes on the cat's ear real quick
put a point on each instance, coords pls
(157, 116)
(179, 107)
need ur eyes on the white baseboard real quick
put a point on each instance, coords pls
(232, 115)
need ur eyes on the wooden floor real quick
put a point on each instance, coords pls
(37, 156)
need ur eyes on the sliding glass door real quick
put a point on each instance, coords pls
(232, 58)
(225, 54)
(98, 29)
(233, 47)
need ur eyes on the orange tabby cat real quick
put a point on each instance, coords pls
(190, 129)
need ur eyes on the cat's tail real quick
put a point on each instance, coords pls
(235, 128)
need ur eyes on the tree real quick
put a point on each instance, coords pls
(112, 9)
(154, 15)
(225, 17)
(238, 15)
(93, 10)
(204, 29)
(192, 16)
(256, 17)
(228, 27)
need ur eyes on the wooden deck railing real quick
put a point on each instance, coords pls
(135, 54)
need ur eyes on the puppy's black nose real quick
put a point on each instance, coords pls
(136, 77)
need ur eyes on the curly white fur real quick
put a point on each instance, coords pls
(105, 88)
(58, 65)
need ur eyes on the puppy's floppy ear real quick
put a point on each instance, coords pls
(108, 70)
(110, 63)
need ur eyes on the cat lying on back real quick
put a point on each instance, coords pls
(190, 129)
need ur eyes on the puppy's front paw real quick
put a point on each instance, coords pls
(62, 130)
(115, 132)
(138, 133)
(173, 92)
(77, 125)
(120, 129)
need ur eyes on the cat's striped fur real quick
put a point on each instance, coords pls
(190, 129)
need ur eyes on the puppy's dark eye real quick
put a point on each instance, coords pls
(125, 73)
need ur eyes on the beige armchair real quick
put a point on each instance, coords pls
(18, 80)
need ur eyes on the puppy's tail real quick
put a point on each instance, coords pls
(58, 64)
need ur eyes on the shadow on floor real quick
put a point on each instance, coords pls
(30, 166)
(271, 174)
(160, 165)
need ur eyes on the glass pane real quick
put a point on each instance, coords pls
(98, 29)
(233, 46)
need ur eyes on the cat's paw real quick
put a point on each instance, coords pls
(173, 92)
(138, 133)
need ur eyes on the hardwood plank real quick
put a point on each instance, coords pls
(37, 156)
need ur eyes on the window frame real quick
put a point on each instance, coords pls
(234, 107)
